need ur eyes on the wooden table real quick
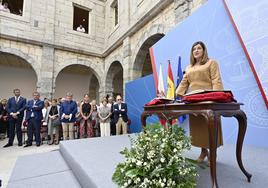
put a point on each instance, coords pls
(212, 112)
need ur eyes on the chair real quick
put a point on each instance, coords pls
(76, 130)
(43, 131)
(96, 129)
(128, 125)
(24, 131)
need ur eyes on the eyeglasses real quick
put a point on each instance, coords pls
(119, 99)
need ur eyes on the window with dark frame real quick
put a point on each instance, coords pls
(15, 6)
(80, 19)
(114, 7)
(116, 14)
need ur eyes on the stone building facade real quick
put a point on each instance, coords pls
(113, 52)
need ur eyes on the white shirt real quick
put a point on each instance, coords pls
(81, 29)
(17, 99)
(44, 111)
(32, 114)
(2, 8)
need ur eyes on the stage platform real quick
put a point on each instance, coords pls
(90, 163)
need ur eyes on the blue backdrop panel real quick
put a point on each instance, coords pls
(251, 19)
(138, 93)
(212, 25)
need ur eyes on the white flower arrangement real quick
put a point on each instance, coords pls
(155, 160)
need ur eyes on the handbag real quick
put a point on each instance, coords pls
(55, 122)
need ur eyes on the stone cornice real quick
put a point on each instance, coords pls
(58, 47)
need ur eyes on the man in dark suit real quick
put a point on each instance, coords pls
(34, 117)
(120, 115)
(15, 109)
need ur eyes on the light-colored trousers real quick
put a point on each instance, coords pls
(105, 129)
(68, 131)
(121, 125)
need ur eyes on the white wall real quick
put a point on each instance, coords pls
(14, 77)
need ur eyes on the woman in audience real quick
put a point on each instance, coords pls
(44, 126)
(104, 114)
(46, 105)
(85, 123)
(95, 120)
(53, 120)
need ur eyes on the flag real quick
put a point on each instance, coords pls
(161, 92)
(170, 83)
(179, 78)
(160, 87)
(179, 74)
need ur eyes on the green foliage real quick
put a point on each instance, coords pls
(156, 159)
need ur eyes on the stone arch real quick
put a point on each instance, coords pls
(94, 67)
(113, 59)
(17, 72)
(34, 64)
(78, 79)
(114, 78)
(141, 53)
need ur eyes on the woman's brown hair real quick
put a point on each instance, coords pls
(205, 53)
(104, 99)
(54, 100)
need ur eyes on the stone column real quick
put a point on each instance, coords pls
(46, 84)
(126, 63)
(109, 83)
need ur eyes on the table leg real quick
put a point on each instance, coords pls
(213, 138)
(242, 121)
(144, 116)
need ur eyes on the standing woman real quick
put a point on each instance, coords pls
(85, 112)
(44, 126)
(202, 73)
(95, 120)
(104, 114)
(53, 120)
